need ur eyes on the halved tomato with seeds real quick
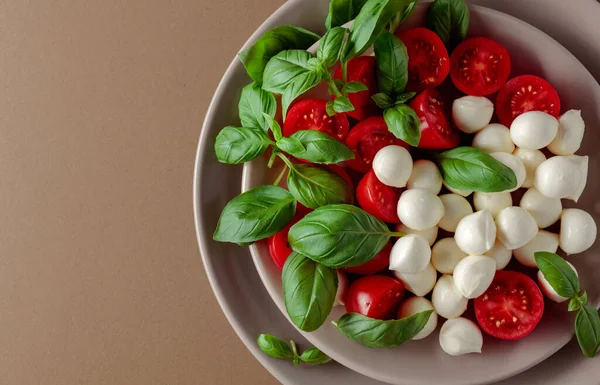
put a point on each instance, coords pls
(311, 114)
(437, 131)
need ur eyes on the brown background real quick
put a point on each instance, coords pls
(101, 104)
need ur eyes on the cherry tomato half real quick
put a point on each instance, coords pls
(526, 93)
(311, 114)
(437, 131)
(428, 62)
(511, 307)
(279, 247)
(479, 66)
(361, 69)
(378, 199)
(375, 265)
(375, 296)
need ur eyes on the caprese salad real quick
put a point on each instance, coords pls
(412, 186)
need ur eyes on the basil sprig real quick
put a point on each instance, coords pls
(468, 168)
(565, 282)
(342, 11)
(375, 333)
(449, 19)
(316, 147)
(276, 348)
(235, 145)
(254, 104)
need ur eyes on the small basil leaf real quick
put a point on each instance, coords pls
(449, 19)
(284, 37)
(274, 125)
(376, 333)
(342, 11)
(254, 102)
(274, 347)
(255, 214)
(235, 145)
(339, 83)
(402, 16)
(558, 273)
(403, 122)
(315, 187)
(583, 298)
(339, 236)
(352, 87)
(404, 97)
(468, 168)
(574, 304)
(297, 87)
(587, 329)
(382, 100)
(392, 63)
(284, 68)
(314, 356)
(309, 290)
(295, 351)
(316, 147)
(329, 108)
(342, 104)
(330, 46)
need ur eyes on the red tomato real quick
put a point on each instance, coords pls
(479, 66)
(311, 114)
(378, 199)
(511, 307)
(361, 69)
(526, 93)
(428, 62)
(375, 296)
(375, 265)
(279, 247)
(437, 131)
(366, 139)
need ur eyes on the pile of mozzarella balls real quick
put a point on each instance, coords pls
(489, 228)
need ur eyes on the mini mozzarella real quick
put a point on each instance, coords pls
(415, 305)
(570, 134)
(546, 211)
(393, 165)
(516, 227)
(543, 241)
(472, 113)
(464, 193)
(342, 288)
(430, 235)
(562, 176)
(410, 254)
(500, 254)
(492, 202)
(515, 164)
(577, 231)
(531, 159)
(419, 283)
(447, 300)
(476, 233)
(473, 275)
(445, 254)
(548, 290)
(456, 208)
(533, 130)
(494, 137)
(420, 209)
(460, 336)
(426, 175)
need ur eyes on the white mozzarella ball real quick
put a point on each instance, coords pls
(447, 300)
(548, 290)
(460, 336)
(393, 165)
(419, 283)
(464, 193)
(570, 134)
(410, 254)
(500, 254)
(426, 175)
(577, 231)
(494, 137)
(472, 113)
(430, 235)
(531, 159)
(515, 164)
(492, 202)
(445, 254)
(544, 210)
(473, 275)
(476, 233)
(516, 227)
(342, 289)
(562, 176)
(533, 130)
(415, 305)
(420, 209)
(543, 241)
(456, 208)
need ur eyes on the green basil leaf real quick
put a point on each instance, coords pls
(558, 273)
(329, 108)
(316, 147)
(352, 87)
(449, 19)
(402, 15)
(583, 298)
(342, 11)
(574, 304)
(309, 290)
(330, 46)
(314, 186)
(274, 125)
(314, 356)
(382, 100)
(274, 347)
(587, 329)
(468, 168)
(342, 104)
(255, 214)
(299, 85)
(376, 333)
(235, 145)
(392, 63)
(339, 236)
(254, 102)
(284, 37)
(284, 68)
(404, 97)
(403, 122)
